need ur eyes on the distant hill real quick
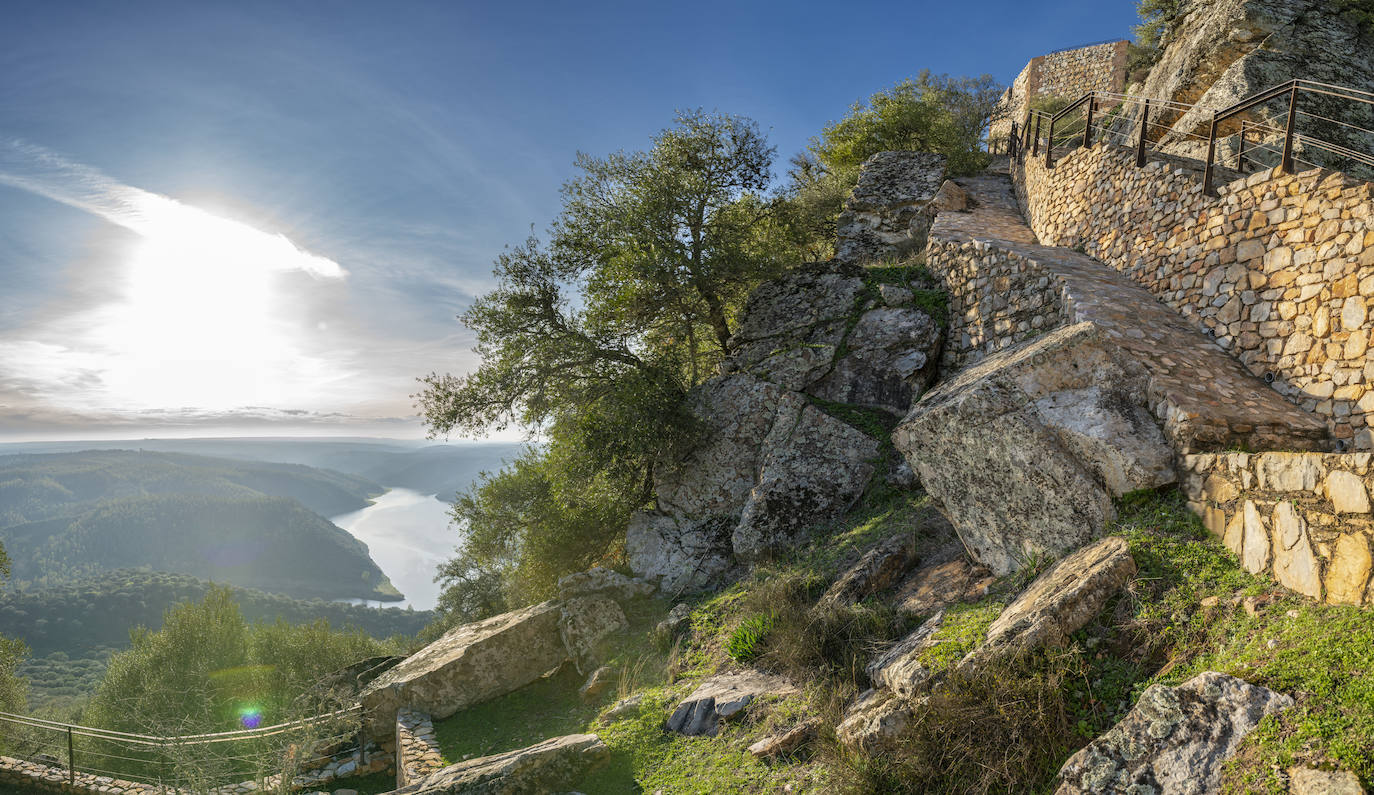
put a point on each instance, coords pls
(70, 515)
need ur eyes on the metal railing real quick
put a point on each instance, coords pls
(1257, 140)
(238, 755)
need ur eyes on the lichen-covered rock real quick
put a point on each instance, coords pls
(468, 665)
(875, 720)
(888, 214)
(601, 580)
(1025, 449)
(584, 623)
(679, 620)
(550, 766)
(721, 698)
(679, 554)
(1174, 740)
(902, 668)
(876, 570)
(1059, 603)
(945, 581)
(1223, 51)
(891, 355)
(1309, 781)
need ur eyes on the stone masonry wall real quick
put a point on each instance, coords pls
(417, 750)
(1303, 518)
(1066, 73)
(1278, 268)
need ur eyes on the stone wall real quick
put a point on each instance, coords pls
(1303, 518)
(1278, 268)
(417, 750)
(1066, 73)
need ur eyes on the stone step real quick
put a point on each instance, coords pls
(1005, 287)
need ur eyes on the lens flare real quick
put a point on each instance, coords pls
(250, 717)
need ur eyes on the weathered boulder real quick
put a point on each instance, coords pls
(597, 683)
(678, 554)
(468, 665)
(1220, 52)
(603, 581)
(679, 620)
(788, 742)
(721, 698)
(952, 197)
(888, 214)
(875, 720)
(945, 581)
(876, 570)
(1025, 449)
(549, 766)
(902, 668)
(1059, 603)
(1309, 781)
(584, 623)
(1174, 740)
(890, 358)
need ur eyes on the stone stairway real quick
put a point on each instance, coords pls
(1005, 287)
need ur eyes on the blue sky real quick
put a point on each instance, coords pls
(263, 217)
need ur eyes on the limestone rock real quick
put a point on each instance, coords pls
(1307, 781)
(601, 580)
(942, 583)
(679, 554)
(900, 668)
(874, 721)
(950, 198)
(1060, 601)
(597, 683)
(1025, 449)
(891, 358)
(679, 620)
(549, 766)
(888, 214)
(788, 742)
(468, 665)
(877, 570)
(721, 698)
(1174, 740)
(584, 623)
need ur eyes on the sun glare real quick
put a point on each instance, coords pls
(203, 322)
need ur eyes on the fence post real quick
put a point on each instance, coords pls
(1211, 155)
(1035, 142)
(71, 757)
(1240, 155)
(1011, 140)
(1288, 132)
(1049, 145)
(1088, 128)
(1140, 142)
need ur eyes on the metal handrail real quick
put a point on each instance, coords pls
(1090, 99)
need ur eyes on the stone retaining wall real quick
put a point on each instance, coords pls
(1068, 74)
(1278, 268)
(417, 751)
(1303, 518)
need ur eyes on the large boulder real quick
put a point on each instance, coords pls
(679, 554)
(553, 765)
(889, 213)
(585, 623)
(1174, 741)
(1025, 449)
(603, 581)
(468, 665)
(1223, 51)
(1059, 603)
(722, 698)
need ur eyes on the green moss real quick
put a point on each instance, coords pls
(874, 423)
(963, 627)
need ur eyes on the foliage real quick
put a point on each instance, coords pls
(746, 642)
(1157, 18)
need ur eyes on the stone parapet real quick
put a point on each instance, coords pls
(417, 750)
(1303, 518)
(1067, 73)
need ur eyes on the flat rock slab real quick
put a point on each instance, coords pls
(1025, 449)
(468, 665)
(789, 742)
(900, 668)
(941, 583)
(1174, 741)
(721, 698)
(551, 766)
(876, 570)
(1307, 781)
(1059, 603)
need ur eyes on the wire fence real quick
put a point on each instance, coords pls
(268, 756)
(1300, 123)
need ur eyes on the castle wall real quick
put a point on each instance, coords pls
(1068, 74)
(1278, 268)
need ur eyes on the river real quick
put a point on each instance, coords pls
(408, 535)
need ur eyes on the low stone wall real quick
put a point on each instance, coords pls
(1278, 268)
(417, 751)
(1303, 518)
(16, 775)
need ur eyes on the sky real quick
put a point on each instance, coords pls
(260, 218)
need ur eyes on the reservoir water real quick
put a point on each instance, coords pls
(408, 535)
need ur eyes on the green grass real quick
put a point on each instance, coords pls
(746, 642)
(963, 627)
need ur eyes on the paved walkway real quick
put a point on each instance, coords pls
(1213, 402)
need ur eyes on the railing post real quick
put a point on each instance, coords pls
(1240, 155)
(1288, 132)
(1088, 128)
(1049, 145)
(1140, 142)
(1035, 139)
(71, 757)
(1211, 154)
(1011, 140)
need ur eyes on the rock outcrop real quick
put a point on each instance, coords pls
(551, 766)
(876, 570)
(1309, 781)
(888, 214)
(1025, 449)
(1174, 740)
(721, 698)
